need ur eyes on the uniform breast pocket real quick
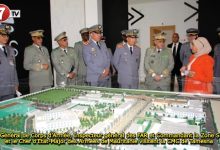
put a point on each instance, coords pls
(61, 61)
(37, 59)
(124, 57)
(165, 59)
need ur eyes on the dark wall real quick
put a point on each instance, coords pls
(209, 14)
(115, 19)
(34, 15)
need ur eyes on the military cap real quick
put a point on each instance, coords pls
(6, 29)
(95, 28)
(84, 30)
(192, 31)
(218, 30)
(160, 36)
(123, 32)
(132, 33)
(60, 36)
(37, 33)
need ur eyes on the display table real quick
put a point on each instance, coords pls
(84, 117)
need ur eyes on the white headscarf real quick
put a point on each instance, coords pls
(202, 45)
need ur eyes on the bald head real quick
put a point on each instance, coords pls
(175, 38)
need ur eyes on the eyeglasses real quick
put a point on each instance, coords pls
(4, 35)
(38, 37)
(97, 32)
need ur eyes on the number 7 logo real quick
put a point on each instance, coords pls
(4, 12)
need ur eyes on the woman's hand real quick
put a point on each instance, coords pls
(191, 74)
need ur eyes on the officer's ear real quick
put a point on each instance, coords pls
(155, 42)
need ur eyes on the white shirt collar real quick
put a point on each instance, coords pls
(1, 47)
(176, 44)
(37, 45)
(159, 49)
(63, 48)
(94, 41)
(129, 46)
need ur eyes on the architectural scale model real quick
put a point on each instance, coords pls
(103, 110)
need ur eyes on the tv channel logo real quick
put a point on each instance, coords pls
(6, 13)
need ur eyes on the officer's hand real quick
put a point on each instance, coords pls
(45, 66)
(183, 68)
(106, 72)
(71, 75)
(157, 78)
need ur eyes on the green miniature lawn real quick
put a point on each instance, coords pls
(53, 96)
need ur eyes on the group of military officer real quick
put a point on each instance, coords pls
(88, 63)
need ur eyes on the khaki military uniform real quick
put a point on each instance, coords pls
(81, 73)
(64, 63)
(160, 64)
(39, 78)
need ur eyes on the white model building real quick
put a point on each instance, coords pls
(79, 110)
(195, 104)
(83, 101)
(167, 102)
(102, 127)
(56, 121)
(171, 127)
(185, 112)
(119, 111)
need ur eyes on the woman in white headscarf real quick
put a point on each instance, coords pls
(199, 71)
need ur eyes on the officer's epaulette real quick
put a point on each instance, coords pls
(137, 46)
(56, 49)
(120, 45)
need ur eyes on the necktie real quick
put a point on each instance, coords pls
(158, 50)
(98, 45)
(41, 50)
(131, 50)
(174, 50)
(65, 51)
(5, 51)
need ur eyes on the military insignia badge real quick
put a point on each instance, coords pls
(152, 55)
(93, 50)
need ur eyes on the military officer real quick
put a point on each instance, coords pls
(185, 51)
(158, 63)
(8, 74)
(78, 47)
(97, 59)
(65, 61)
(216, 82)
(127, 60)
(37, 61)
